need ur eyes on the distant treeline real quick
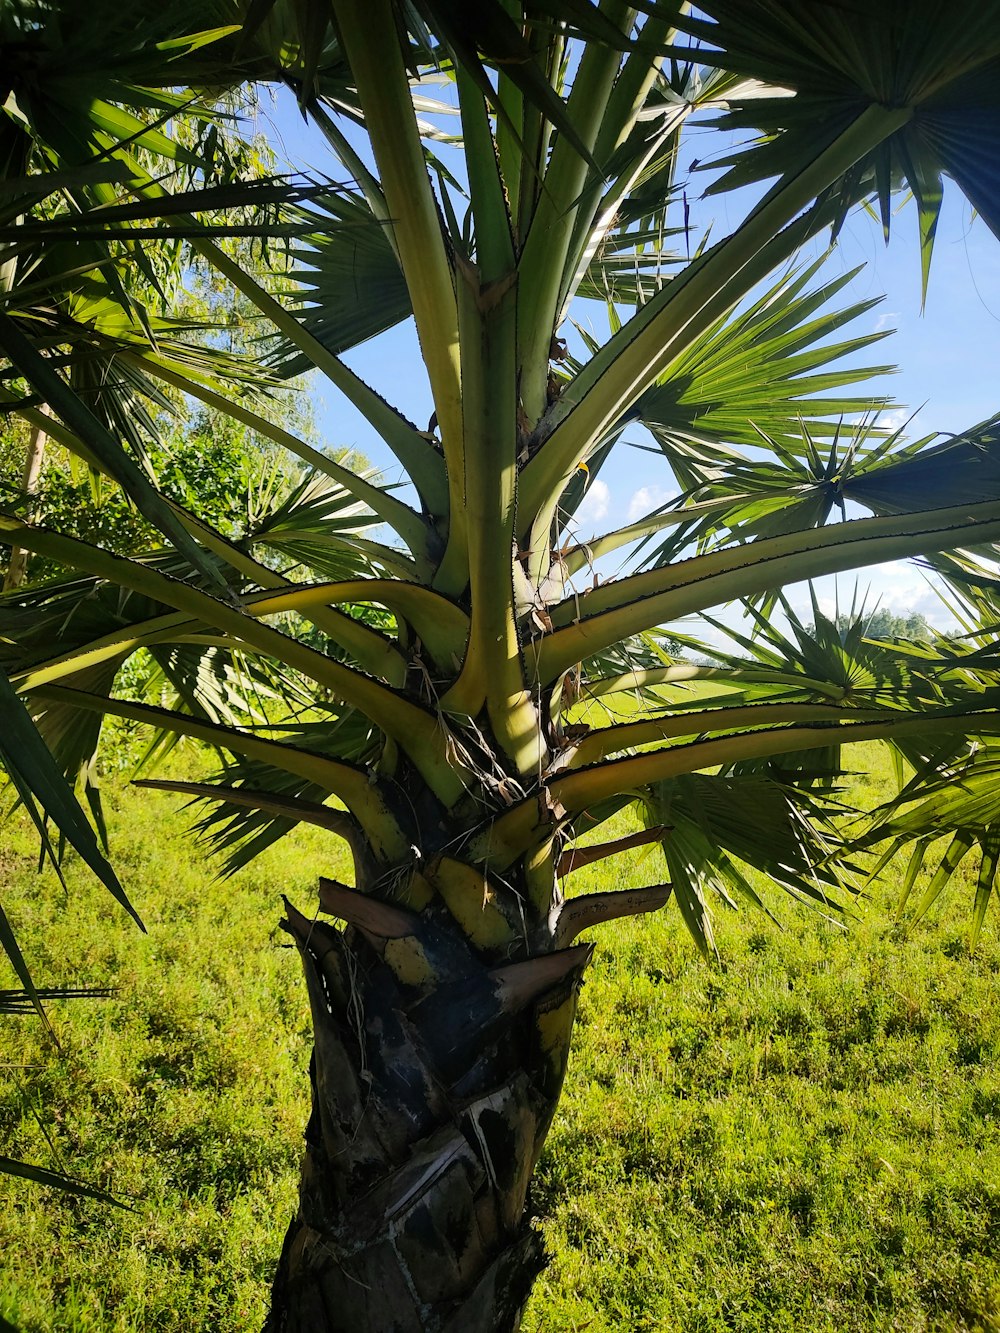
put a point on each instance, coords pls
(883, 624)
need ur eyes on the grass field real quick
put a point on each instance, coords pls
(805, 1139)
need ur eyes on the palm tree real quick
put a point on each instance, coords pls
(458, 679)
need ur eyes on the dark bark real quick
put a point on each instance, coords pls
(435, 1075)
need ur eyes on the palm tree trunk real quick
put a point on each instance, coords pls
(435, 1075)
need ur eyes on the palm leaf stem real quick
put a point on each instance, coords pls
(423, 466)
(369, 648)
(350, 784)
(628, 98)
(544, 257)
(594, 909)
(585, 553)
(366, 182)
(282, 807)
(519, 828)
(644, 601)
(647, 677)
(643, 349)
(493, 668)
(368, 31)
(69, 406)
(494, 242)
(269, 602)
(414, 729)
(605, 741)
(409, 525)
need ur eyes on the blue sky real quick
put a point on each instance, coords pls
(947, 356)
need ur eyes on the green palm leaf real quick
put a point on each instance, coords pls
(758, 371)
(847, 58)
(718, 825)
(350, 285)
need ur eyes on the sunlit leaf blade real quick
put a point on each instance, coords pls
(989, 862)
(350, 283)
(718, 825)
(956, 470)
(10, 946)
(760, 370)
(959, 847)
(829, 657)
(118, 463)
(319, 525)
(487, 34)
(763, 378)
(806, 483)
(913, 868)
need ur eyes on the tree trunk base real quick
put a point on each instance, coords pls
(431, 1102)
(333, 1292)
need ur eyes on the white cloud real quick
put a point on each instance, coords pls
(900, 587)
(595, 504)
(884, 319)
(895, 419)
(646, 499)
(889, 419)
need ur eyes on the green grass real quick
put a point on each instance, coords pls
(806, 1139)
(185, 1095)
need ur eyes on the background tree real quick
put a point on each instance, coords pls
(885, 624)
(474, 737)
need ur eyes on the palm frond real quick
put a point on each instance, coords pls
(845, 59)
(717, 826)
